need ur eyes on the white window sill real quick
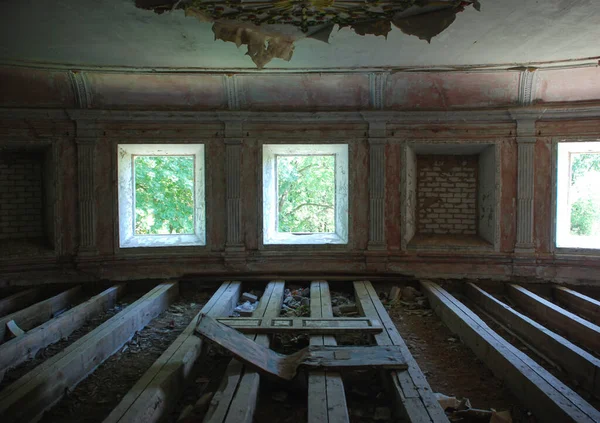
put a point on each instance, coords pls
(579, 242)
(308, 239)
(137, 241)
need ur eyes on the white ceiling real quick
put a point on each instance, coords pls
(116, 33)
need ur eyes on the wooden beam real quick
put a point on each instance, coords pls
(236, 399)
(27, 398)
(38, 313)
(311, 326)
(326, 396)
(317, 357)
(568, 324)
(157, 391)
(23, 348)
(579, 303)
(412, 392)
(577, 363)
(20, 300)
(548, 398)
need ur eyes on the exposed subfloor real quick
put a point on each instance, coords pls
(595, 402)
(94, 398)
(51, 350)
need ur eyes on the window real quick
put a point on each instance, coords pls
(161, 195)
(305, 194)
(578, 195)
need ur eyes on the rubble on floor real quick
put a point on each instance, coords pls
(247, 304)
(296, 303)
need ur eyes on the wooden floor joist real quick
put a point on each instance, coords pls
(154, 395)
(326, 397)
(20, 300)
(546, 396)
(235, 402)
(38, 313)
(572, 326)
(577, 363)
(412, 392)
(581, 304)
(22, 348)
(26, 399)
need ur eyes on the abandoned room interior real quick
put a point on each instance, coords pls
(281, 211)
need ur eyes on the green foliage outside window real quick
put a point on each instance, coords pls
(306, 193)
(585, 207)
(164, 195)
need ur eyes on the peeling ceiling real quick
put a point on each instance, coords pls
(114, 33)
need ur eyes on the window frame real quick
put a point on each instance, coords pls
(269, 190)
(126, 195)
(563, 240)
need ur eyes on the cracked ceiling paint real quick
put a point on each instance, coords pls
(115, 33)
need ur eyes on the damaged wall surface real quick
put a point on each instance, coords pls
(77, 118)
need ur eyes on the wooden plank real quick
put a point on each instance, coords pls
(546, 396)
(413, 394)
(568, 324)
(577, 363)
(38, 313)
(582, 304)
(312, 326)
(20, 300)
(286, 367)
(157, 391)
(236, 400)
(27, 398)
(25, 347)
(326, 396)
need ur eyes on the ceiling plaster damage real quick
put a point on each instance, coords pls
(270, 28)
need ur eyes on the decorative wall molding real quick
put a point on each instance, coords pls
(527, 86)
(86, 152)
(233, 164)
(80, 88)
(377, 82)
(231, 89)
(377, 193)
(526, 140)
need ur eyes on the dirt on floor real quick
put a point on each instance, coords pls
(450, 366)
(51, 350)
(517, 343)
(94, 398)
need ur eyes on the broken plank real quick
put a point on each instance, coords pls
(546, 396)
(236, 400)
(20, 300)
(286, 367)
(577, 363)
(581, 304)
(27, 398)
(18, 350)
(568, 324)
(38, 313)
(158, 390)
(326, 396)
(311, 326)
(413, 394)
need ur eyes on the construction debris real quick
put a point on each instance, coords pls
(296, 303)
(460, 410)
(246, 296)
(285, 367)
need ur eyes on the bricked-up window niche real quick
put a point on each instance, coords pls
(450, 195)
(161, 195)
(305, 194)
(26, 218)
(447, 194)
(578, 195)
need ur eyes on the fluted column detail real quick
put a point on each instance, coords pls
(233, 163)
(525, 184)
(376, 193)
(86, 152)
